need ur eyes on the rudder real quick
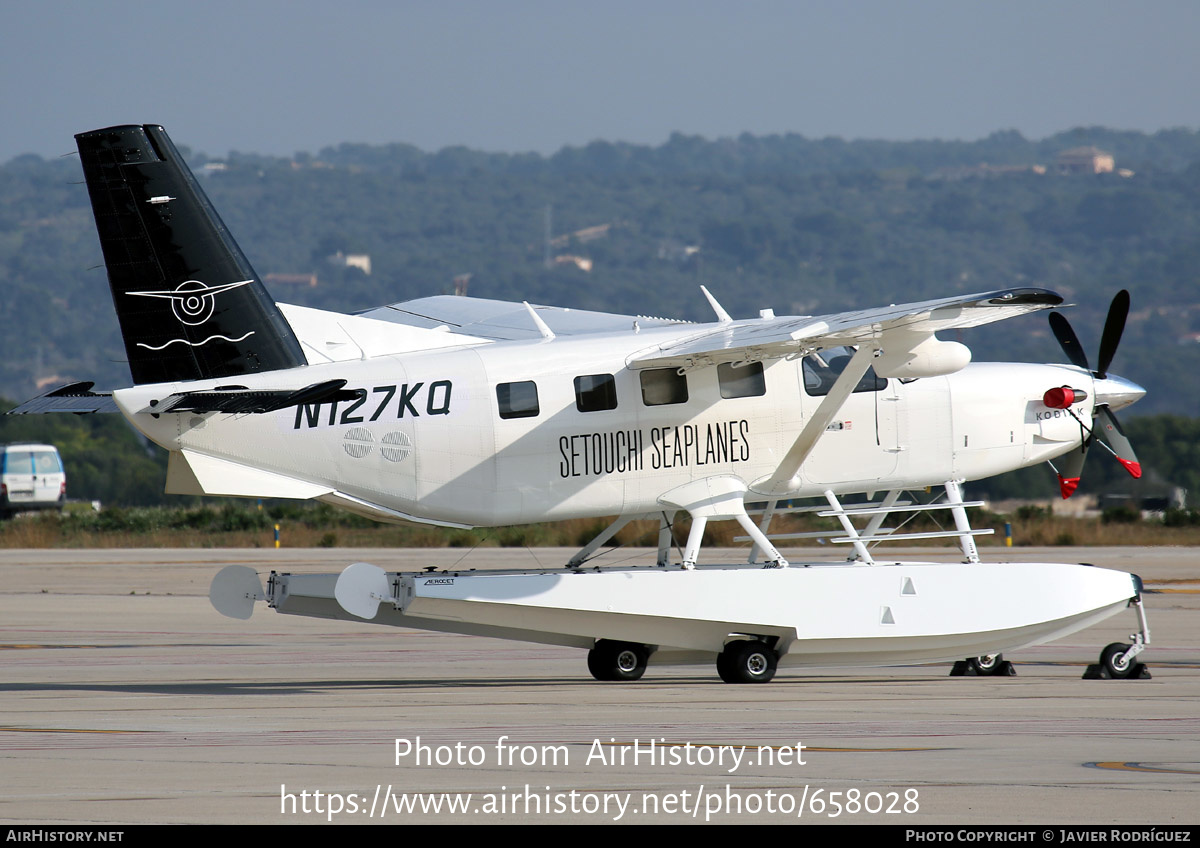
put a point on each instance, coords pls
(189, 303)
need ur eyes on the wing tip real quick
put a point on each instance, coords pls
(1025, 297)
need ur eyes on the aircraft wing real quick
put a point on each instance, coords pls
(769, 338)
(80, 399)
(73, 397)
(501, 320)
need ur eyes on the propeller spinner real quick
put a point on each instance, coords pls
(1110, 392)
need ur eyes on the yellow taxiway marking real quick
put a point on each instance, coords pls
(1169, 586)
(1146, 767)
(36, 647)
(65, 730)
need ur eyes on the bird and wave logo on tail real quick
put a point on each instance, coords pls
(193, 303)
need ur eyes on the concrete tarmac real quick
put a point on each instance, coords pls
(125, 698)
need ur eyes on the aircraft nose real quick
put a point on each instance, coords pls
(1117, 392)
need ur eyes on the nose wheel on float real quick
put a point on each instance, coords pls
(988, 665)
(1118, 661)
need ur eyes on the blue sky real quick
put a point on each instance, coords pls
(278, 77)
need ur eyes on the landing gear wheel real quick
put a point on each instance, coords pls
(1114, 661)
(747, 662)
(987, 664)
(611, 660)
(992, 665)
(723, 668)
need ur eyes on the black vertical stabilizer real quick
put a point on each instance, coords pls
(189, 303)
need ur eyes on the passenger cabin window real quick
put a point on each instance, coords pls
(741, 380)
(661, 386)
(517, 400)
(595, 392)
(822, 369)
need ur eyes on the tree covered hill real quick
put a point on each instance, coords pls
(800, 225)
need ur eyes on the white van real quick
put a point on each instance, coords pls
(31, 477)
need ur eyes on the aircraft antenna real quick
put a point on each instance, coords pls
(722, 315)
(546, 332)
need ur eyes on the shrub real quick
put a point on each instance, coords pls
(1121, 515)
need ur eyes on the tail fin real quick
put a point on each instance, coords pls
(189, 303)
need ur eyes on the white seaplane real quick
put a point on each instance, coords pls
(463, 412)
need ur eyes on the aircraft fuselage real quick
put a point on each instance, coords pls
(425, 436)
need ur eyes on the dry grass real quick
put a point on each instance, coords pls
(229, 527)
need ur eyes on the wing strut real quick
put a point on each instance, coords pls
(784, 478)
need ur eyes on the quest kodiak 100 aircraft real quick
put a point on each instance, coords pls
(464, 412)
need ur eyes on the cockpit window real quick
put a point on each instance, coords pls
(822, 369)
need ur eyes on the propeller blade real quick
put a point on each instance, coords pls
(1069, 469)
(1068, 340)
(1104, 423)
(1114, 438)
(1114, 326)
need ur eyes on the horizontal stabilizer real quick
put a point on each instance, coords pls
(240, 400)
(73, 397)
